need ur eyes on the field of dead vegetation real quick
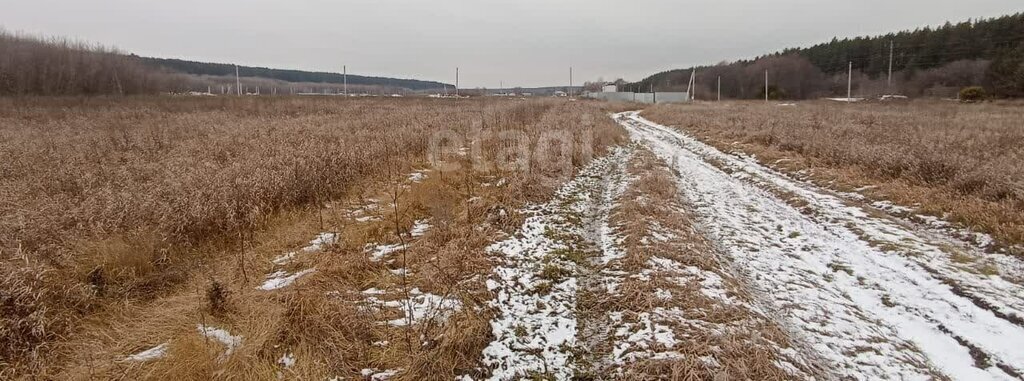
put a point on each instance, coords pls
(128, 223)
(960, 162)
(328, 238)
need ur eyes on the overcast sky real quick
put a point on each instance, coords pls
(518, 42)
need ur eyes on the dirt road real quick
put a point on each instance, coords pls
(873, 296)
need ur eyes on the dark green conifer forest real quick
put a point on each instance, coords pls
(926, 62)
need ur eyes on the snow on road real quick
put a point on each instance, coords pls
(536, 282)
(875, 296)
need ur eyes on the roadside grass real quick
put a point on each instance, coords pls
(715, 338)
(960, 162)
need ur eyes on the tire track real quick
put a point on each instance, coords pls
(854, 286)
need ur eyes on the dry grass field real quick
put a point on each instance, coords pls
(323, 238)
(128, 219)
(209, 218)
(958, 161)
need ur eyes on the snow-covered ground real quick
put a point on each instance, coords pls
(280, 278)
(229, 341)
(419, 307)
(875, 296)
(536, 281)
(658, 293)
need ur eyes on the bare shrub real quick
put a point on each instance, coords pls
(217, 298)
(972, 94)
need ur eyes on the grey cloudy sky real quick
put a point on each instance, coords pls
(520, 42)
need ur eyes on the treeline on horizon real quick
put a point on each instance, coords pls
(294, 76)
(32, 65)
(926, 62)
(42, 66)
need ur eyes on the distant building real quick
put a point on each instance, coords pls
(609, 88)
(561, 94)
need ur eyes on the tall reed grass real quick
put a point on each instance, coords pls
(111, 199)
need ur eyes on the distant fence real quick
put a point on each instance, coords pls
(656, 97)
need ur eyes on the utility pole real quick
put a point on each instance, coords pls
(719, 88)
(889, 83)
(766, 86)
(238, 82)
(692, 87)
(849, 84)
(570, 81)
(693, 84)
(456, 81)
(344, 74)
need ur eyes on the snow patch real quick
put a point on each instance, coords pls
(378, 252)
(417, 176)
(287, 360)
(642, 340)
(285, 258)
(154, 353)
(321, 240)
(282, 279)
(663, 294)
(224, 337)
(379, 375)
(419, 307)
(419, 228)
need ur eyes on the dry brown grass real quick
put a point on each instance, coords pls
(744, 343)
(960, 159)
(120, 215)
